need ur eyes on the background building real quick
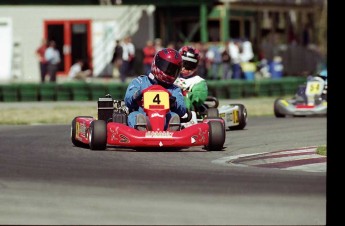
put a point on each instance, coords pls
(296, 30)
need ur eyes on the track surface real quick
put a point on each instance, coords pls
(44, 179)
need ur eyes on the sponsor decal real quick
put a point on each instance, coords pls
(124, 139)
(284, 102)
(159, 134)
(157, 115)
(81, 130)
(114, 133)
(117, 137)
(202, 135)
(235, 116)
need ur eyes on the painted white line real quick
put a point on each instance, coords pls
(272, 159)
(236, 160)
(317, 167)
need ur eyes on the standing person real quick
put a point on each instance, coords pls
(52, 56)
(214, 58)
(128, 54)
(149, 52)
(165, 68)
(202, 65)
(235, 54)
(226, 62)
(42, 61)
(158, 44)
(116, 61)
(194, 87)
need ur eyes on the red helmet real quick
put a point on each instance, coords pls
(166, 66)
(190, 57)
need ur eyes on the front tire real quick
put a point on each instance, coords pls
(277, 114)
(216, 136)
(98, 135)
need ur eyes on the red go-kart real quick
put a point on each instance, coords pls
(111, 129)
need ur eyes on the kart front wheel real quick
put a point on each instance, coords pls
(216, 136)
(98, 135)
(277, 113)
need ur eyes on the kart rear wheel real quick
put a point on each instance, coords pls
(216, 136)
(277, 114)
(242, 117)
(76, 142)
(212, 113)
(98, 135)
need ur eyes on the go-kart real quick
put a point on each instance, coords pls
(111, 128)
(309, 100)
(234, 115)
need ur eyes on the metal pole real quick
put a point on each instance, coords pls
(203, 23)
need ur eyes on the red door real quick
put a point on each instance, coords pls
(73, 40)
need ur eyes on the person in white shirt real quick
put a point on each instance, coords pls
(128, 54)
(76, 71)
(52, 56)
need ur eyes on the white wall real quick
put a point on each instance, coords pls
(5, 49)
(28, 26)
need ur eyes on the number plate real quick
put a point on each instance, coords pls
(235, 116)
(314, 88)
(156, 99)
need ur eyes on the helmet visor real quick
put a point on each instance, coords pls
(188, 65)
(167, 67)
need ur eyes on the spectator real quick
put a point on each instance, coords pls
(165, 68)
(158, 44)
(214, 58)
(116, 61)
(235, 54)
(149, 52)
(53, 59)
(128, 54)
(42, 61)
(171, 45)
(226, 62)
(246, 56)
(76, 71)
(247, 53)
(202, 67)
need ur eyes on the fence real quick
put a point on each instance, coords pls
(80, 91)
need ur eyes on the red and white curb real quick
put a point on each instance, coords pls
(304, 159)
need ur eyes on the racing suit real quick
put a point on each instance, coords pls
(134, 94)
(194, 90)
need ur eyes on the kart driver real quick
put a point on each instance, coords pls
(194, 88)
(165, 68)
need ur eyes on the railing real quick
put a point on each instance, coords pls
(113, 30)
(81, 91)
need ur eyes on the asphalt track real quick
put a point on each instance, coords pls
(44, 179)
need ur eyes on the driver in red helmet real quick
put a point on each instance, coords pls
(165, 68)
(193, 86)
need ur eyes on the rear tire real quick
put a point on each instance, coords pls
(216, 136)
(98, 135)
(212, 113)
(76, 142)
(242, 117)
